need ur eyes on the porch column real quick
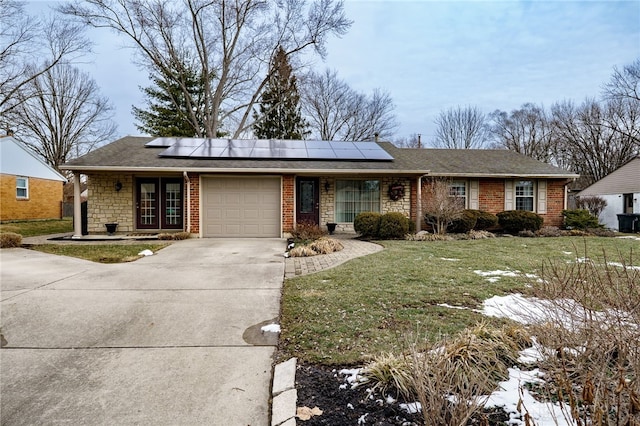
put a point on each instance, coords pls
(77, 209)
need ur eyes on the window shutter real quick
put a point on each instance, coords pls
(474, 194)
(508, 195)
(542, 196)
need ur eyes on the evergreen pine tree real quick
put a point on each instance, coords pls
(280, 116)
(168, 112)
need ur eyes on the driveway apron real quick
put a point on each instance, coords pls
(171, 339)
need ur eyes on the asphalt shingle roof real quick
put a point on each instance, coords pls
(130, 153)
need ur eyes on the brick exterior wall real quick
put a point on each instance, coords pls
(288, 203)
(44, 202)
(491, 198)
(105, 204)
(194, 208)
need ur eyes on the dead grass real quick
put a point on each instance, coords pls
(101, 253)
(33, 228)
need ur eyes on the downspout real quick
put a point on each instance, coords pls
(188, 181)
(419, 205)
(77, 207)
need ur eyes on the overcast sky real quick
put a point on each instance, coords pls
(433, 55)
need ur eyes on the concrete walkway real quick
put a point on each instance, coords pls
(173, 338)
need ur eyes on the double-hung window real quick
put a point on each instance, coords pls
(458, 190)
(524, 195)
(22, 187)
(356, 196)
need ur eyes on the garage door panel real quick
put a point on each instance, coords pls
(241, 207)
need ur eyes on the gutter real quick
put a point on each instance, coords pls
(262, 170)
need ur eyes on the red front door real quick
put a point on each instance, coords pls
(307, 200)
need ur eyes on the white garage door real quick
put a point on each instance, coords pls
(241, 206)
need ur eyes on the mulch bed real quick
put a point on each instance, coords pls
(320, 386)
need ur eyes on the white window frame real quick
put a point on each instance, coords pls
(24, 187)
(338, 201)
(531, 196)
(454, 185)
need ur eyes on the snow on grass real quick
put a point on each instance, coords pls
(494, 276)
(450, 259)
(629, 237)
(620, 265)
(411, 407)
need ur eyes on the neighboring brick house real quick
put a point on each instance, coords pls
(249, 188)
(29, 188)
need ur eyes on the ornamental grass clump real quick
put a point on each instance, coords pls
(10, 240)
(326, 245)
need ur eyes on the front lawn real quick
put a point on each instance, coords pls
(32, 228)
(365, 307)
(103, 253)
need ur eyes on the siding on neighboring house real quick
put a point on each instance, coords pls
(43, 202)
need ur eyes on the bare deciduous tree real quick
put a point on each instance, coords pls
(440, 207)
(413, 141)
(526, 130)
(30, 47)
(230, 44)
(63, 116)
(597, 138)
(460, 128)
(624, 83)
(335, 111)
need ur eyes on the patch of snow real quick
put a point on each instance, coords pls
(286, 254)
(533, 354)
(445, 305)
(493, 279)
(497, 273)
(353, 376)
(363, 419)
(620, 265)
(390, 399)
(343, 386)
(450, 259)
(146, 252)
(515, 307)
(630, 237)
(512, 395)
(583, 260)
(567, 252)
(411, 407)
(350, 406)
(271, 328)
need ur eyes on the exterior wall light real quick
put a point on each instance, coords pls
(118, 186)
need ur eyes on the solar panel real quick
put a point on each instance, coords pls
(270, 149)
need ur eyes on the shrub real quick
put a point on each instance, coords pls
(580, 219)
(10, 239)
(594, 204)
(306, 232)
(463, 224)
(393, 226)
(484, 220)
(302, 251)
(514, 221)
(367, 224)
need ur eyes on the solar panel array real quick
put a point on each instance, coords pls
(270, 149)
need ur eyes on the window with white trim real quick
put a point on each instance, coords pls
(458, 190)
(525, 195)
(22, 187)
(354, 197)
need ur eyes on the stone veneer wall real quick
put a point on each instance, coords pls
(105, 204)
(44, 202)
(328, 199)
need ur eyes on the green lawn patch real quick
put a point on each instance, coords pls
(368, 305)
(33, 228)
(102, 253)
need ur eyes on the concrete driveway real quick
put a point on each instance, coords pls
(172, 338)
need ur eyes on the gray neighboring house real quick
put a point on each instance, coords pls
(621, 191)
(263, 188)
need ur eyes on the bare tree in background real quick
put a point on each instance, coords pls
(30, 47)
(588, 135)
(413, 141)
(624, 83)
(230, 43)
(460, 128)
(527, 130)
(337, 112)
(63, 115)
